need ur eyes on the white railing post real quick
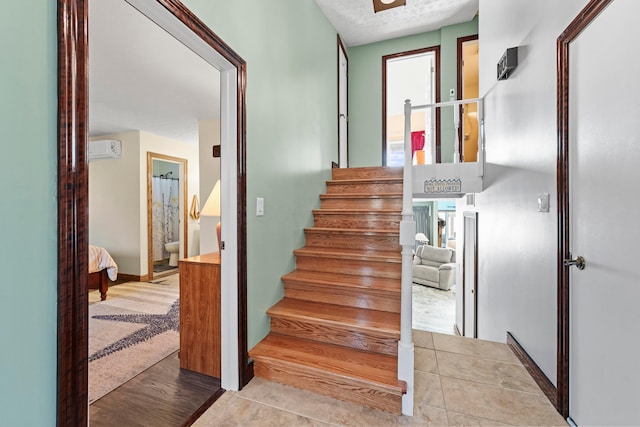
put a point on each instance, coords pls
(456, 125)
(407, 241)
(481, 147)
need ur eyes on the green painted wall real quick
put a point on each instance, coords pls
(28, 259)
(291, 54)
(290, 49)
(365, 89)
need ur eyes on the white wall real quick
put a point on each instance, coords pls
(209, 135)
(516, 244)
(114, 204)
(118, 198)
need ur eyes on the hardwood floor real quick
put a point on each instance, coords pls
(163, 395)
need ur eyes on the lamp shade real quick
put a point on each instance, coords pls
(420, 237)
(212, 206)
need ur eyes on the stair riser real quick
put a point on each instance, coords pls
(367, 242)
(365, 173)
(313, 330)
(369, 188)
(391, 270)
(333, 386)
(381, 301)
(370, 204)
(373, 222)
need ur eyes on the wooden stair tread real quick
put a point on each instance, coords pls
(352, 254)
(357, 212)
(358, 231)
(368, 172)
(373, 180)
(361, 196)
(347, 280)
(375, 369)
(338, 315)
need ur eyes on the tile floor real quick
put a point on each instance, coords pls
(458, 381)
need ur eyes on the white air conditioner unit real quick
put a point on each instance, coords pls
(104, 149)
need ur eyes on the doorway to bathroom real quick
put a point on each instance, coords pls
(167, 234)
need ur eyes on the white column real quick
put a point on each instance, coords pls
(407, 240)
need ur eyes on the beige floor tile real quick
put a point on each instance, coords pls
(474, 347)
(336, 412)
(236, 411)
(422, 339)
(425, 360)
(486, 371)
(301, 402)
(499, 404)
(456, 419)
(427, 389)
(423, 415)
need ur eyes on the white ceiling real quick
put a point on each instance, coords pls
(357, 24)
(141, 78)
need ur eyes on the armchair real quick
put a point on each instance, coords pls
(434, 267)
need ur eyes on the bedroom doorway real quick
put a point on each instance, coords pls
(413, 75)
(166, 213)
(73, 77)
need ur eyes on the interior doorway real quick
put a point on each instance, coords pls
(597, 273)
(343, 106)
(435, 287)
(410, 75)
(166, 212)
(176, 19)
(468, 88)
(467, 322)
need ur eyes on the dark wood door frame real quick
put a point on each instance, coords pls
(385, 58)
(584, 18)
(72, 335)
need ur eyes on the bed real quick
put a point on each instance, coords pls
(102, 268)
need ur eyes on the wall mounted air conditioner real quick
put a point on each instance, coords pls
(104, 149)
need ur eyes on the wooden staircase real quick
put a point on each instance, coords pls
(336, 330)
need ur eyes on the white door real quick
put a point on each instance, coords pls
(469, 279)
(604, 132)
(343, 152)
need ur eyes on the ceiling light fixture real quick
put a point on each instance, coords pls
(380, 5)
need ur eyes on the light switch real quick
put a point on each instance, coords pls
(260, 206)
(543, 202)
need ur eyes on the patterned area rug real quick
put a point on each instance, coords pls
(136, 327)
(434, 309)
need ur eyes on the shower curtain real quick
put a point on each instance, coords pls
(165, 207)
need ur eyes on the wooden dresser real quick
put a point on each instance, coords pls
(200, 313)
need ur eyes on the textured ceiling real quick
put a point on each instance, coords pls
(141, 78)
(357, 24)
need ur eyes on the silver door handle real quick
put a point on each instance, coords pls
(342, 116)
(578, 262)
